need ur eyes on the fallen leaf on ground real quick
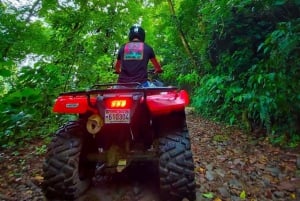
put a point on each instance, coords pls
(208, 195)
(38, 178)
(200, 170)
(243, 195)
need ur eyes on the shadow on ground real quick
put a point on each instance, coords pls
(136, 184)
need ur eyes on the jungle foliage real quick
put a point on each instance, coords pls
(238, 58)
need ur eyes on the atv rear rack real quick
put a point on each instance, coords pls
(121, 88)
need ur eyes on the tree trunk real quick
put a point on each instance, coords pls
(181, 34)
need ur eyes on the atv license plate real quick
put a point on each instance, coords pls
(117, 116)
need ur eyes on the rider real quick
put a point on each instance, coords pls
(133, 58)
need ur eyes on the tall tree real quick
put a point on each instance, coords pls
(181, 33)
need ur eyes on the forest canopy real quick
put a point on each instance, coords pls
(239, 59)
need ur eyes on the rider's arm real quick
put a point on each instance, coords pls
(118, 66)
(156, 65)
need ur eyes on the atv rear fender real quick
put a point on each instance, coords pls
(79, 104)
(159, 101)
(167, 102)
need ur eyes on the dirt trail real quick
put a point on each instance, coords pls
(229, 166)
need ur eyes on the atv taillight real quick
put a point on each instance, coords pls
(119, 103)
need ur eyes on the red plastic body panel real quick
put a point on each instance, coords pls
(166, 102)
(73, 104)
(158, 103)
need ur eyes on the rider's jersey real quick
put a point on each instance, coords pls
(134, 57)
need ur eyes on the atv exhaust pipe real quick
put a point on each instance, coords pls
(94, 124)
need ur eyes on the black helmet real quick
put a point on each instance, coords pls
(136, 32)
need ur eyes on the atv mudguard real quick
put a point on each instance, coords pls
(74, 104)
(158, 103)
(167, 102)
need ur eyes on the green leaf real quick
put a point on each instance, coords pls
(208, 195)
(279, 2)
(243, 195)
(27, 92)
(260, 46)
(5, 73)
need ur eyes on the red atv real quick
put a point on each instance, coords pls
(119, 125)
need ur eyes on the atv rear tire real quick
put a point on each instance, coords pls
(176, 167)
(62, 166)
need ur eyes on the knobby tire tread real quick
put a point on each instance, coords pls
(61, 165)
(176, 167)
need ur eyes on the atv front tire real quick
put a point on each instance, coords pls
(176, 167)
(62, 166)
